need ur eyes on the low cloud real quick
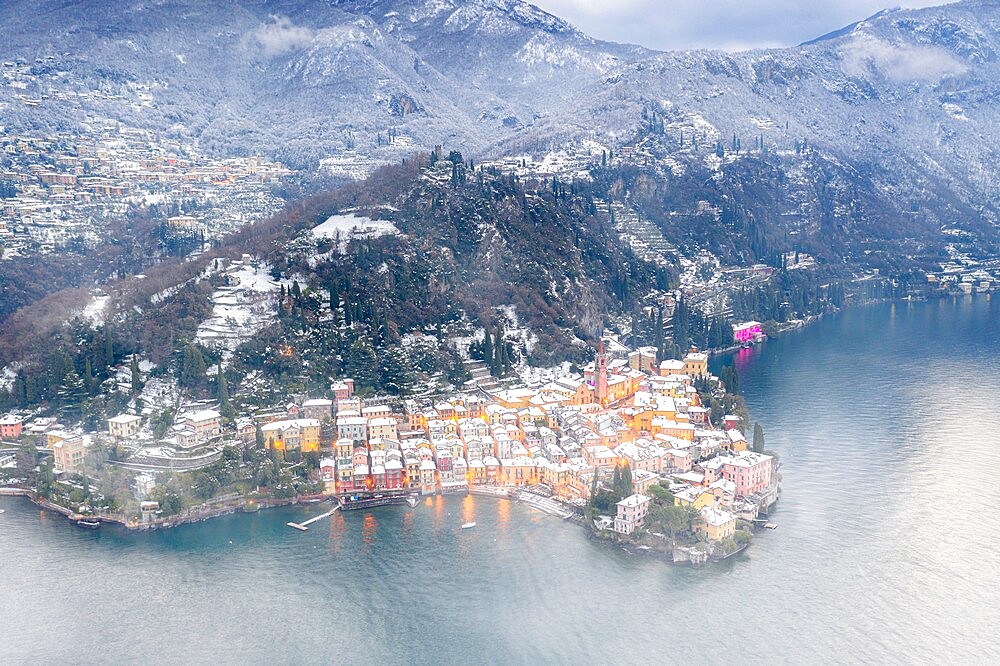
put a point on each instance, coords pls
(279, 36)
(900, 62)
(719, 24)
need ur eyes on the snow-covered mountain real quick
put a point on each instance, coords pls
(902, 105)
(300, 79)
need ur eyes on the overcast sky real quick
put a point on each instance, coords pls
(717, 24)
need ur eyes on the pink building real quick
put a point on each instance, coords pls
(751, 472)
(393, 475)
(750, 331)
(342, 390)
(10, 427)
(631, 513)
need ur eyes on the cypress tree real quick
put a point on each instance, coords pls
(88, 375)
(109, 348)
(225, 407)
(758, 438)
(136, 380)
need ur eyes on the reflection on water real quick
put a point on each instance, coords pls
(886, 425)
(503, 513)
(336, 533)
(468, 509)
(369, 528)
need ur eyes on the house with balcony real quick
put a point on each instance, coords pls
(631, 513)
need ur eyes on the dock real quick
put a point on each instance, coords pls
(304, 526)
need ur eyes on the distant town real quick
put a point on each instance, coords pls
(629, 448)
(64, 188)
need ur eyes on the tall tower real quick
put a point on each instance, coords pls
(601, 374)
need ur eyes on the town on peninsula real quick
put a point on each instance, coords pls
(641, 451)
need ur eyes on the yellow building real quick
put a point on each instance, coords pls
(302, 434)
(716, 524)
(696, 364)
(695, 497)
(53, 437)
(676, 429)
(69, 454)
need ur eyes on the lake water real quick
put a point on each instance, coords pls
(887, 420)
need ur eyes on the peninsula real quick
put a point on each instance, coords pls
(639, 450)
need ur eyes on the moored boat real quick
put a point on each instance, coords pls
(467, 526)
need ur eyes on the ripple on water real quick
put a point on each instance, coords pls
(886, 420)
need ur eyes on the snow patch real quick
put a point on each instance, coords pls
(7, 376)
(95, 310)
(344, 228)
(241, 308)
(955, 111)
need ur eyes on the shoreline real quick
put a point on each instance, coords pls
(569, 514)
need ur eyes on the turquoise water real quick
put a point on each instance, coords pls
(887, 420)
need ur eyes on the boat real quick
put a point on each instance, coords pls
(2, 510)
(412, 501)
(88, 523)
(467, 526)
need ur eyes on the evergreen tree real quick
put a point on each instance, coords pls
(88, 376)
(72, 395)
(193, 368)
(27, 457)
(136, 379)
(362, 364)
(19, 392)
(394, 370)
(225, 407)
(758, 438)
(488, 349)
(109, 348)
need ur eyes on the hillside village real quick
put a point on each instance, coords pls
(562, 445)
(67, 187)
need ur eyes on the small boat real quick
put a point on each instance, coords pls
(467, 526)
(314, 500)
(88, 524)
(2, 510)
(770, 526)
(412, 501)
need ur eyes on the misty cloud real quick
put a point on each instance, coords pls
(279, 36)
(730, 25)
(902, 62)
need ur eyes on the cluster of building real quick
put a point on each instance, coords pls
(627, 409)
(967, 277)
(65, 185)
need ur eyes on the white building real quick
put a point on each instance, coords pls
(124, 426)
(352, 427)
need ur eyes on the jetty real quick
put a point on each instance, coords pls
(304, 526)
